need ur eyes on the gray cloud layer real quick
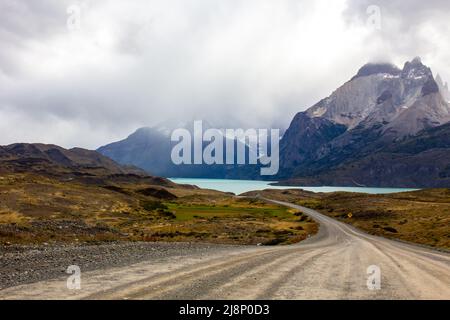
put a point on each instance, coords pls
(237, 63)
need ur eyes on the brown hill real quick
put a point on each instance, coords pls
(68, 164)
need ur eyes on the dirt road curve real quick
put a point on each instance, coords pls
(331, 265)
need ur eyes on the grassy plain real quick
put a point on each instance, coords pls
(37, 209)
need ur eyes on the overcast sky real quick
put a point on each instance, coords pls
(254, 63)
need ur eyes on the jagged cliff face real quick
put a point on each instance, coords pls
(443, 88)
(380, 106)
(304, 137)
(382, 94)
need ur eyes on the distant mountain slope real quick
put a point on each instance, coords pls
(419, 161)
(379, 107)
(150, 149)
(305, 135)
(348, 138)
(147, 148)
(53, 160)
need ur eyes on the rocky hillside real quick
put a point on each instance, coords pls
(351, 137)
(418, 161)
(73, 164)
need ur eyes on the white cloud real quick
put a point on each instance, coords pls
(238, 63)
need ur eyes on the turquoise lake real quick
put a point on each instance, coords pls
(241, 186)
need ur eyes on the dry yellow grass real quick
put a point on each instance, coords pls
(11, 217)
(421, 217)
(39, 209)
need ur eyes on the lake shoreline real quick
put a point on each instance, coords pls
(241, 186)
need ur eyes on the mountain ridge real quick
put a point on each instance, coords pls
(379, 107)
(68, 164)
(150, 148)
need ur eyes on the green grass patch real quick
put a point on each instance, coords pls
(190, 212)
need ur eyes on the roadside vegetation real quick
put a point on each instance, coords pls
(36, 209)
(421, 217)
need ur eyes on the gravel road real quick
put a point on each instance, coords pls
(28, 264)
(331, 265)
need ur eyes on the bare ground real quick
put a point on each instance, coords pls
(330, 265)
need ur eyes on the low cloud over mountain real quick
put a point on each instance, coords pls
(385, 127)
(244, 64)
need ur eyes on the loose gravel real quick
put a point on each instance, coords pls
(28, 264)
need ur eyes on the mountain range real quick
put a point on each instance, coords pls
(75, 164)
(150, 148)
(378, 129)
(385, 127)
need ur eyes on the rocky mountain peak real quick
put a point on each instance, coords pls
(377, 68)
(439, 80)
(417, 61)
(380, 107)
(416, 70)
(382, 94)
(443, 88)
